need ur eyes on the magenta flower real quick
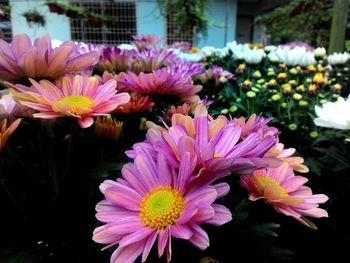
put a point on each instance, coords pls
(115, 60)
(216, 73)
(23, 59)
(285, 192)
(73, 96)
(160, 82)
(145, 42)
(255, 124)
(149, 60)
(215, 145)
(187, 69)
(152, 201)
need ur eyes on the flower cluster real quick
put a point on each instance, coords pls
(170, 188)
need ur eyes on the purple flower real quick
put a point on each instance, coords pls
(147, 42)
(160, 82)
(115, 60)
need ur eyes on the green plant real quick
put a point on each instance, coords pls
(187, 14)
(33, 17)
(74, 11)
(300, 20)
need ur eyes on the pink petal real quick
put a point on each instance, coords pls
(123, 196)
(222, 215)
(181, 231)
(199, 238)
(86, 122)
(136, 236)
(127, 254)
(163, 238)
(149, 244)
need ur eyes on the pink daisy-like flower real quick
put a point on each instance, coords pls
(137, 103)
(5, 132)
(115, 60)
(277, 154)
(143, 42)
(152, 201)
(23, 59)
(255, 124)
(160, 82)
(216, 146)
(73, 96)
(285, 192)
(149, 60)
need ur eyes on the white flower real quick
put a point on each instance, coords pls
(254, 56)
(338, 58)
(320, 52)
(270, 48)
(334, 114)
(296, 56)
(192, 57)
(273, 57)
(208, 51)
(127, 47)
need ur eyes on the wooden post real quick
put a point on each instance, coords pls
(339, 19)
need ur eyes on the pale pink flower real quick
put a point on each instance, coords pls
(278, 154)
(73, 96)
(285, 192)
(23, 59)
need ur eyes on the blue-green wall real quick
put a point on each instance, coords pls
(149, 20)
(222, 23)
(56, 25)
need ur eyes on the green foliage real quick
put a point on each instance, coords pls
(33, 17)
(187, 14)
(300, 20)
(73, 11)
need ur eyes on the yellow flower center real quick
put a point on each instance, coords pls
(216, 154)
(269, 183)
(77, 102)
(161, 207)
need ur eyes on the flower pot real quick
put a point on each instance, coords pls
(96, 21)
(72, 14)
(53, 8)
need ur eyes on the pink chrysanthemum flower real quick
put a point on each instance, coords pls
(149, 60)
(5, 132)
(73, 96)
(23, 59)
(187, 69)
(160, 82)
(215, 145)
(137, 103)
(278, 153)
(216, 73)
(152, 201)
(143, 42)
(255, 124)
(115, 60)
(285, 192)
(183, 109)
